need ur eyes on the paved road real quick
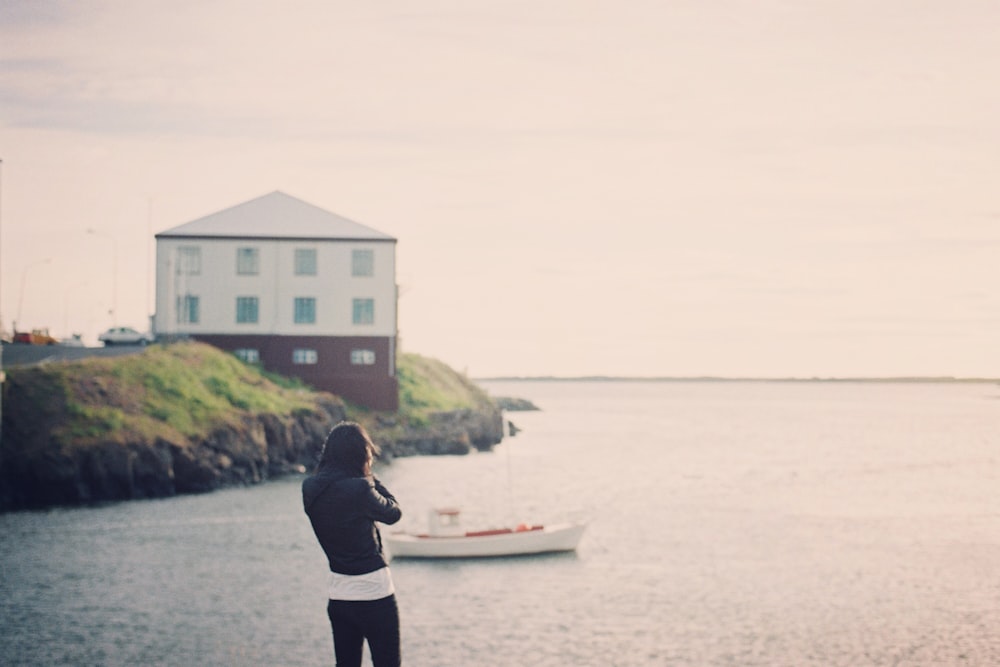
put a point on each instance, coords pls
(27, 355)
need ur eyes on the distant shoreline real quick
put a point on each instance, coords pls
(612, 378)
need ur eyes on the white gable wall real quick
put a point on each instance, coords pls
(276, 286)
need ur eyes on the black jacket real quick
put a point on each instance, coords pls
(343, 511)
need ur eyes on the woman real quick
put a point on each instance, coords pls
(343, 500)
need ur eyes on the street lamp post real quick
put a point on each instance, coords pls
(114, 273)
(24, 276)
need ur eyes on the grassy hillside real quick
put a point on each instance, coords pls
(189, 418)
(181, 391)
(427, 386)
(174, 392)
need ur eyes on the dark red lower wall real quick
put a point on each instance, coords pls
(373, 386)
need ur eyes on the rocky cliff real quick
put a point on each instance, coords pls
(189, 419)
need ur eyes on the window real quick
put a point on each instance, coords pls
(362, 357)
(304, 357)
(362, 263)
(187, 309)
(305, 310)
(246, 309)
(305, 261)
(248, 355)
(247, 261)
(364, 311)
(189, 260)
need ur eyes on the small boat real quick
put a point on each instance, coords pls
(447, 539)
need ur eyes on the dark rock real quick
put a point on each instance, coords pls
(153, 470)
(36, 471)
(514, 404)
(41, 473)
(104, 472)
(193, 473)
(445, 433)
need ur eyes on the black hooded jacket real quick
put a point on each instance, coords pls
(343, 510)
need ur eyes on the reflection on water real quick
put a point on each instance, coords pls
(730, 524)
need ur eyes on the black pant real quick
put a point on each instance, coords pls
(354, 621)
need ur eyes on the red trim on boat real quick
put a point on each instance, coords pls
(523, 528)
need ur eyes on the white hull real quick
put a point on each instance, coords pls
(560, 537)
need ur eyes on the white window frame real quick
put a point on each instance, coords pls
(363, 311)
(243, 306)
(247, 261)
(299, 310)
(188, 309)
(247, 354)
(302, 356)
(305, 262)
(189, 260)
(363, 357)
(362, 262)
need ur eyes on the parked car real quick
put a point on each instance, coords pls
(124, 336)
(34, 337)
(76, 340)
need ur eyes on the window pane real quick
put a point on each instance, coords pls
(189, 260)
(305, 262)
(247, 261)
(362, 263)
(246, 309)
(187, 309)
(192, 309)
(249, 355)
(364, 311)
(305, 310)
(304, 357)
(362, 357)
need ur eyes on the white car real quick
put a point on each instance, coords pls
(76, 340)
(124, 336)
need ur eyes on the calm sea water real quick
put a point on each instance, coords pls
(730, 524)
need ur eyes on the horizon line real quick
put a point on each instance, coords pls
(719, 378)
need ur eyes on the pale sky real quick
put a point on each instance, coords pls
(668, 187)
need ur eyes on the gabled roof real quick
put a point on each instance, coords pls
(275, 216)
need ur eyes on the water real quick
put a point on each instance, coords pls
(730, 524)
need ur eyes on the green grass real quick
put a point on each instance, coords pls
(175, 392)
(182, 391)
(427, 385)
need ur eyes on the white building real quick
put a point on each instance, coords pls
(282, 283)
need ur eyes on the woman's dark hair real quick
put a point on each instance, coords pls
(348, 447)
